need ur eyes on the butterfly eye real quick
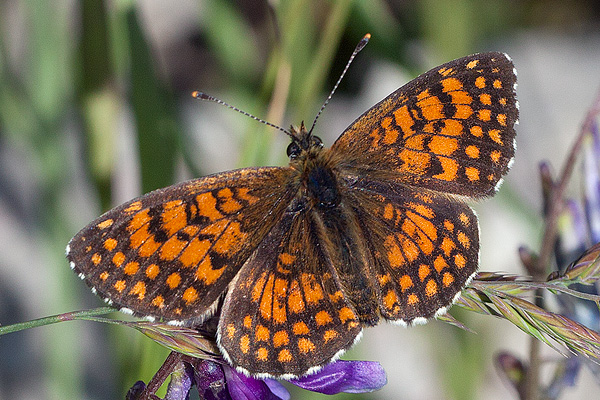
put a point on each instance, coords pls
(293, 150)
(316, 141)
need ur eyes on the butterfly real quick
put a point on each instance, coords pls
(299, 259)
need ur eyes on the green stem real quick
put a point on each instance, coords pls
(70, 316)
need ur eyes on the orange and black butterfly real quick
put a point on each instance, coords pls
(304, 257)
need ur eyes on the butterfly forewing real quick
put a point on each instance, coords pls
(286, 313)
(450, 129)
(171, 253)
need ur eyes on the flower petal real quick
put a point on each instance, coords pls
(242, 387)
(345, 376)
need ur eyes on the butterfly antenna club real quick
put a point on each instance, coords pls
(363, 42)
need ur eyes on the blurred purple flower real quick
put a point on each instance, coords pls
(578, 230)
(216, 380)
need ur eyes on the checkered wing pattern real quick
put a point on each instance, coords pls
(171, 253)
(286, 314)
(424, 247)
(450, 129)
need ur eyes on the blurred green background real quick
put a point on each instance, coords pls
(95, 109)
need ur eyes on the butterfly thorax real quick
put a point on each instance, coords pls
(319, 182)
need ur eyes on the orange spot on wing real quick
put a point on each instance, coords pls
(173, 280)
(464, 240)
(139, 289)
(207, 206)
(476, 131)
(295, 301)
(194, 252)
(497, 84)
(231, 240)
(443, 145)
(485, 114)
(104, 275)
(461, 97)
(472, 64)
(460, 261)
(404, 120)
(472, 151)
(412, 299)
(472, 173)
(158, 301)
(279, 292)
(390, 300)
(230, 331)
(105, 224)
(431, 288)
(452, 127)
(450, 168)
(262, 354)
(266, 301)
(96, 258)
(424, 271)
(313, 292)
(323, 318)
(300, 328)
(480, 82)
(262, 333)
(110, 244)
(190, 295)
(118, 259)
(405, 282)
(280, 338)
(463, 111)
(305, 345)
(495, 156)
(501, 118)
(139, 219)
(152, 271)
(227, 203)
(245, 344)
(346, 314)
(330, 335)
(431, 108)
(414, 162)
(439, 263)
(284, 356)
(447, 246)
(149, 246)
(131, 268)
(174, 217)
(172, 248)
(120, 285)
(391, 135)
(447, 279)
(485, 99)
(451, 84)
(133, 207)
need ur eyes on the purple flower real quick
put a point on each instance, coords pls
(217, 380)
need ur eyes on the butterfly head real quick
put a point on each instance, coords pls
(303, 143)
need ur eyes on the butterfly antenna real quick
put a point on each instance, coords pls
(363, 42)
(203, 96)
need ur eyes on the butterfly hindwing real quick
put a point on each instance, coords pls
(285, 314)
(171, 253)
(424, 247)
(450, 129)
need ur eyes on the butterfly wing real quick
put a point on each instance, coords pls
(286, 315)
(424, 247)
(171, 253)
(450, 129)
